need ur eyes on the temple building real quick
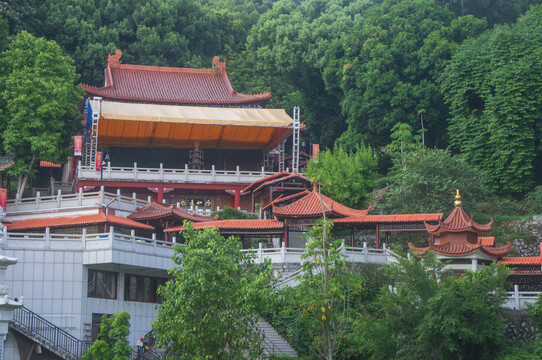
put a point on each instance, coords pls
(181, 136)
(458, 240)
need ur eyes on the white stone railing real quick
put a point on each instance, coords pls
(519, 300)
(79, 200)
(161, 174)
(87, 242)
(293, 255)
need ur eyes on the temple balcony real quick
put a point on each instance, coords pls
(80, 203)
(132, 250)
(171, 176)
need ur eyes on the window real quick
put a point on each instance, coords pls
(102, 284)
(142, 288)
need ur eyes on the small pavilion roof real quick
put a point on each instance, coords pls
(154, 210)
(284, 199)
(456, 236)
(399, 218)
(171, 85)
(463, 248)
(309, 205)
(49, 164)
(294, 176)
(458, 221)
(259, 182)
(236, 224)
(74, 221)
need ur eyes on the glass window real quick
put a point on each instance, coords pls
(102, 284)
(142, 288)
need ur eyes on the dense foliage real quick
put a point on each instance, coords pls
(210, 306)
(494, 87)
(357, 68)
(428, 183)
(429, 314)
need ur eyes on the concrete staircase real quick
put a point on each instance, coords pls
(273, 343)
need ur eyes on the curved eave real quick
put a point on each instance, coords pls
(106, 94)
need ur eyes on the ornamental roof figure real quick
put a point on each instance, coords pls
(458, 235)
(171, 85)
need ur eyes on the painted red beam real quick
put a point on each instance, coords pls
(129, 184)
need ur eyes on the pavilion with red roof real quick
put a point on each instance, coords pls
(161, 216)
(179, 121)
(458, 239)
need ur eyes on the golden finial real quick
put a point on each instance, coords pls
(458, 202)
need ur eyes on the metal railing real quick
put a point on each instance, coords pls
(49, 332)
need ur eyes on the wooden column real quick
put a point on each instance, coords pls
(352, 236)
(286, 232)
(237, 199)
(377, 237)
(160, 195)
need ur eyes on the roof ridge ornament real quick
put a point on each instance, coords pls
(458, 202)
(219, 67)
(114, 59)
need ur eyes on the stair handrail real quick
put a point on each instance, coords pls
(48, 331)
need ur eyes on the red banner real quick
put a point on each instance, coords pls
(315, 150)
(98, 161)
(77, 145)
(3, 198)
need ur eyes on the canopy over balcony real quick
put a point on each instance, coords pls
(145, 125)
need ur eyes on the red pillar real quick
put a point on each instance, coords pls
(377, 237)
(237, 199)
(160, 196)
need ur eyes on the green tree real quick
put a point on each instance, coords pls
(38, 102)
(212, 303)
(429, 181)
(494, 87)
(385, 71)
(347, 177)
(112, 342)
(403, 141)
(431, 314)
(325, 274)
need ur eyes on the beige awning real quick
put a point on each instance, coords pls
(146, 125)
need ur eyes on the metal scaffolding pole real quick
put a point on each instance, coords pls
(281, 156)
(295, 151)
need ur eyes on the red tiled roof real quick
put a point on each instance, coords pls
(73, 221)
(257, 183)
(310, 206)
(459, 248)
(48, 164)
(525, 260)
(399, 218)
(458, 221)
(171, 85)
(155, 210)
(4, 166)
(487, 240)
(281, 179)
(236, 224)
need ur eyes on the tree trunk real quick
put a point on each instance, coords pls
(24, 178)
